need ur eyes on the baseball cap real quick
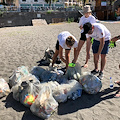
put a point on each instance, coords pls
(87, 26)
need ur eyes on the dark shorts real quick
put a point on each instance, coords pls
(83, 37)
(57, 46)
(96, 44)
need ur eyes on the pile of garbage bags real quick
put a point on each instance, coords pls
(4, 88)
(42, 89)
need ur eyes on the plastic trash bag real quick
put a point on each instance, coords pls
(29, 92)
(4, 88)
(37, 71)
(61, 79)
(48, 76)
(60, 95)
(91, 84)
(66, 90)
(44, 104)
(74, 72)
(17, 89)
(17, 75)
(52, 84)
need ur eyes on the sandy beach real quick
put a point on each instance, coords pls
(26, 45)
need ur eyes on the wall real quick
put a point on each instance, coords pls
(25, 18)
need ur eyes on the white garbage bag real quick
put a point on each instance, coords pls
(45, 104)
(4, 88)
(91, 84)
(74, 72)
(18, 74)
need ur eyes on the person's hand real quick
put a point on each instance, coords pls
(112, 44)
(73, 61)
(85, 65)
(81, 27)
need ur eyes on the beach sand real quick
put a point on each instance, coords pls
(26, 45)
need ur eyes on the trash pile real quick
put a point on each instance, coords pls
(42, 90)
(4, 88)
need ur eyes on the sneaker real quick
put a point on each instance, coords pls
(100, 76)
(94, 72)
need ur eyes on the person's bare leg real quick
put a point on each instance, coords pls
(96, 59)
(67, 57)
(80, 44)
(103, 61)
(55, 57)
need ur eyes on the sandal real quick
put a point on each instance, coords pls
(117, 95)
(117, 82)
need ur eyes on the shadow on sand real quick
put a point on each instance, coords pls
(85, 101)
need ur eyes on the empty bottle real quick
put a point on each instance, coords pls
(111, 83)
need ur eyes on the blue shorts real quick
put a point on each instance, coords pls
(96, 44)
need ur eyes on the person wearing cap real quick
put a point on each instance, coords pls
(65, 41)
(87, 17)
(100, 45)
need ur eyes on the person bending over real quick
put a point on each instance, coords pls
(100, 45)
(65, 41)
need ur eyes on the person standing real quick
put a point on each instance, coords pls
(100, 45)
(87, 17)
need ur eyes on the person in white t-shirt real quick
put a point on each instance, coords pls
(100, 45)
(87, 17)
(65, 41)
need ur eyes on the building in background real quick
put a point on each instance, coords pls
(73, 3)
(41, 3)
(104, 9)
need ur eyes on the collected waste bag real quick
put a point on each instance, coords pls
(74, 72)
(4, 88)
(45, 104)
(70, 90)
(52, 84)
(37, 71)
(18, 88)
(91, 84)
(29, 92)
(48, 76)
(18, 74)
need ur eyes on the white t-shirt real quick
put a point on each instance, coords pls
(84, 20)
(62, 40)
(100, 31)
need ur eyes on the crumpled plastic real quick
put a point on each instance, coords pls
(4, 88)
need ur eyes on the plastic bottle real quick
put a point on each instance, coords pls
(74, 96)
(111, 83)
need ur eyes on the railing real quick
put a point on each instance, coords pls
(37, 8)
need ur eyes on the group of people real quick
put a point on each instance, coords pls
(89, 30)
